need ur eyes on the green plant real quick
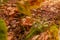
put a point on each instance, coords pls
(36, 29)
(26, 6)
(3, 30)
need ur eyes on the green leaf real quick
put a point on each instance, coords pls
(23, 9)
(35, 29)
(3, 30)
(32, 32)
